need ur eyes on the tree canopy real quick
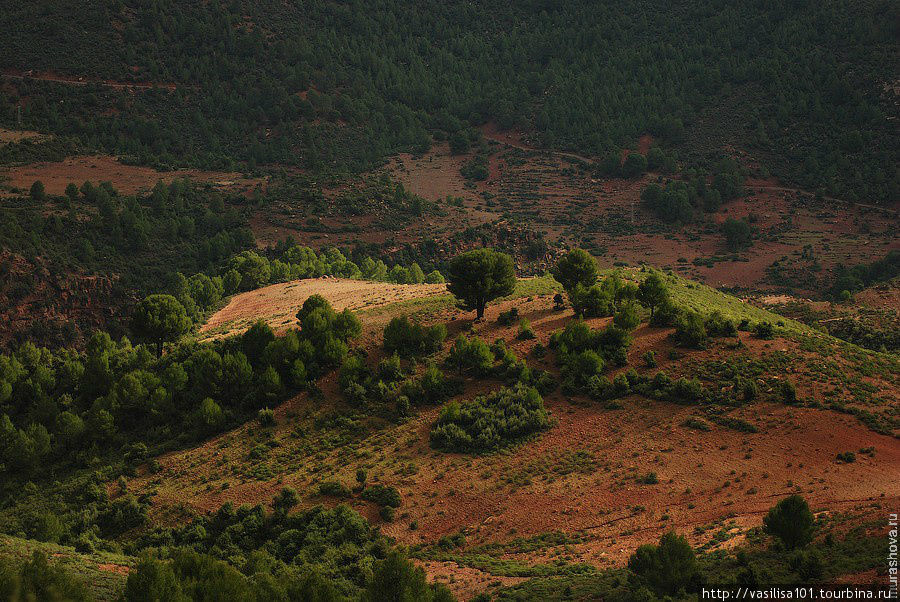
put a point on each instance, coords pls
(480, 276)
(160, 319)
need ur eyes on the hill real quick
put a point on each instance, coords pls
(578, 488)
(326, 86)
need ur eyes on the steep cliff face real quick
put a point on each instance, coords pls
(48, 307)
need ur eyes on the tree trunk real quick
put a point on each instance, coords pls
(159, 345)
(479, 312)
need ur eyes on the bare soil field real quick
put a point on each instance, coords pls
(128, 179)
(7, 136)
(278, 304)
(581, 478)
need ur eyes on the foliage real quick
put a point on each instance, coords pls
(738, 233)
(345, 92)
(667, 568)
(574, 268)
(860, 276)
(382, 495)
(160, 319)
(491, 421)
(336, 543)
(791, 521)
(583, 353)
(480, 276)
(71, 406)
(36, 579)
(410, 339)
(396, 579)
(470, 355)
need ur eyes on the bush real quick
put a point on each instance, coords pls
(333, 489)
(432, 387)
(591, 302)
(846, 457)
(627, 317)
(808, 564)
(411, 339)
(37, 579)
(525, 331)
(580, 367)
(738, 233)
(508, 317)
(396, 578)
(390, 369)
(667, 568)
(383, 495)
(764, 330)
(635, 165)
(648, 479)
(718, 325)
(471, 355)
(791, 521)
(690, 330)
(266, 417)
(788, 392)
(491, 421)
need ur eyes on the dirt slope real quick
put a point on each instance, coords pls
(278, 304)
(581, 478)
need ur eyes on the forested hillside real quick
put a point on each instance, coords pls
(323, 84)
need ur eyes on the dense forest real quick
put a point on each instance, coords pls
(807, 85)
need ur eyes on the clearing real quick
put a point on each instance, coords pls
(128, 179)
(277, 304)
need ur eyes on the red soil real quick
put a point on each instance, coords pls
(128, 179)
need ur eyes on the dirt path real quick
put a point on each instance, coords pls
(508, 141)
(827, 198)
(80, 81)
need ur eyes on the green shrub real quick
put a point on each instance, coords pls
(508, 317)
(382, 495)
(648, 479)
(718, 325)
(432, 387)
(627, 317)
(411, 339)
(333, 489)
(491, 421)
(525, 331)
(37, 579)
(791, 521)
(266, 417)
(788, 392)
(667, 568)
(764, 330)
(846, 457)
(471, 355)
(690, 330)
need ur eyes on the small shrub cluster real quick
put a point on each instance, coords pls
(660, 387)
(471, 356)
(692, 329)
(410, 339)
(583, 353)
(489, 422)
(508, 317)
